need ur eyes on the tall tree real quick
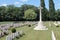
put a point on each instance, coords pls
(2, 13)
(25, 7)
(57, 16)
(13, 13)
(30, 14)
(51, 10)
(44, 10)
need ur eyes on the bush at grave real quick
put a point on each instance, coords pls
(13, 30)
(29, 25)
(57, 26)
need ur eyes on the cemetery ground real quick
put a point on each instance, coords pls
(31, 34)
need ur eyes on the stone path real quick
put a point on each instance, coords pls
(53, 36)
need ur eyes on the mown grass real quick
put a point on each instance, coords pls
(31, 34)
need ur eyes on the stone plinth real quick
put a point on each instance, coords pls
(40, 27)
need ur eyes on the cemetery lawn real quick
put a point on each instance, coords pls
(31, 34)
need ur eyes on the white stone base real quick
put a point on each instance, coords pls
(40, 27)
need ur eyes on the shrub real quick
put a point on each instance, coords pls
(57, 26)
(29, 25)
(13, 30)
(30, 14)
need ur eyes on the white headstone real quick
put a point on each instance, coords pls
(53, 36)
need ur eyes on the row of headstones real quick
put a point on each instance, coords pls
(4, 29)
(3, 33)
(56, 23)
(31, 22)
(15, 35)
(7, 26)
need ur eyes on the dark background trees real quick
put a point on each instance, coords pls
(52, 12)
(44, 11)
(13, 13)
(30, 14)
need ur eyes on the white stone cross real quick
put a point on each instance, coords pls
(40, 14)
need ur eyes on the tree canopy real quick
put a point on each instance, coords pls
(30, 14)
(13, 13)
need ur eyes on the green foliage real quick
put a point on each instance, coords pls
(29, 25)
(13, 30)
(30, 14)
(51, 10)
(44, 11)
(57, 26)
(11, 12)
(57, 16)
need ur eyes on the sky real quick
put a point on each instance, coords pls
(31, 2)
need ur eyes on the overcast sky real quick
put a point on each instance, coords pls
(32, 2)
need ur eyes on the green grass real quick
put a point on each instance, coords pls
(4, 22)
(31, 34)
(56, 30)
